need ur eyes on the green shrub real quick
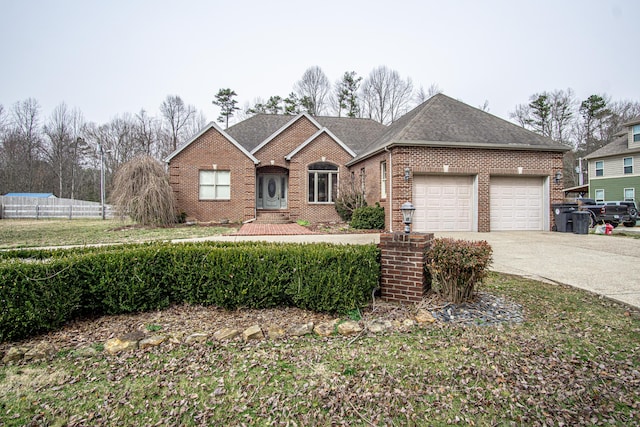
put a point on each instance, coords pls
(456, 267)
(40, 290)
(368, 218)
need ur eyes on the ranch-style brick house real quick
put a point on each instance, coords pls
(462, 168)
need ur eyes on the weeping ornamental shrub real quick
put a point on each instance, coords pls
(141, 190)
(457, 267)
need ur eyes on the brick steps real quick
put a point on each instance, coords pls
(272, 217)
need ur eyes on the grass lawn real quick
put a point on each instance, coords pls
(574, 361)
(17, 233)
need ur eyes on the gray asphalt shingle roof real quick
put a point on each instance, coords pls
(355, 133)
(617, 146)
(444, 121)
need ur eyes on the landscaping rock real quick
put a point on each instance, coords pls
(349, 328)
(225, 334)
(117, 345)
(40, 351)
(176, 337)
(253, 333)
(198, 337)
(85, 352)
(408, 323)
(14, 354)
(376, 326)
(152, 341)
(275, 332)
(326, 329)
(424, 316)
(300, 329)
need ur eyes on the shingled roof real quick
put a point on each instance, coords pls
(357, 134)
(442, 121)
(615, 147)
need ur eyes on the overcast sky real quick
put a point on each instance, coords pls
(109, 57)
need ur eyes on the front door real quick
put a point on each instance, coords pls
(272, 191)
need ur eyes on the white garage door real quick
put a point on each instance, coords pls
(516, 203)
(443, 203)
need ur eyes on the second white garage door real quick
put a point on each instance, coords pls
(443, 203)
(517, 203)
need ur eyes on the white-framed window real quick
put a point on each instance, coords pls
(383, 180)
(323, 182)
(600, 168)
(629, 194)
(599, 195)
(215, 185)
(628, 164)
(636, 133)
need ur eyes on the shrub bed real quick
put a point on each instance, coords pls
(42, 289)
(457, 267)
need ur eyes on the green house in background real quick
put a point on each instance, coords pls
(614, 170)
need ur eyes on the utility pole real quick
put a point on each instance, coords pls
(102, 180)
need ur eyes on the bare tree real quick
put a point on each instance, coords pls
(25, 153)
(176, 115)
(313, 89)
(621, 112)
(385, 95)
(58, 149)
(422, 94)
(147, 132)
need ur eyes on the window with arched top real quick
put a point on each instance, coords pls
(323, 182)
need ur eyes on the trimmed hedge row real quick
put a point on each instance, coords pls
(40, 289)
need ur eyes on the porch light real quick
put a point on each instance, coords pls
(557, 177)
(407, 174)
(407, 210)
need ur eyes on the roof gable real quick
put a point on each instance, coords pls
(444, 121)
(355, 133)
(205, 129)
(285, 127)
(316, 135)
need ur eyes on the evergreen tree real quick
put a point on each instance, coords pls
(224, 100)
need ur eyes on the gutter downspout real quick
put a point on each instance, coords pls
(390, 190)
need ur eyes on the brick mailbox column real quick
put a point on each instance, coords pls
(402, 262)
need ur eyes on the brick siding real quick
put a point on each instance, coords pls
(482, 163)
(209, 149)
(402, 257)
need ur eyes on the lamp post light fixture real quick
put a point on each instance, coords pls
(407, 174)
(407, 210)
(557, 177)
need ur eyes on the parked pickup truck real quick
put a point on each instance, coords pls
(613, 213)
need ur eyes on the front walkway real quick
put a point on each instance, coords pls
(293, 229)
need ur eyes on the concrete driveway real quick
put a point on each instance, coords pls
(606, 265)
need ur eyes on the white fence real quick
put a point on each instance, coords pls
(40, 208)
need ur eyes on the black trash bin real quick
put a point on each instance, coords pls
(563, 216)
(581, 221)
